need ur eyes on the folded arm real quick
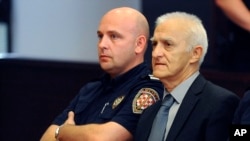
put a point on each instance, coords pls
(110, 131)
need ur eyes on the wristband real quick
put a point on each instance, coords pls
(57, 132)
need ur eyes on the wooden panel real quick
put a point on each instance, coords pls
(33, 92)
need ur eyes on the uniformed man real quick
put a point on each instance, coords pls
(108, 109)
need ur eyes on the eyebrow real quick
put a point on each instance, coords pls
(110, 32)
(99, 32)
(162, 39)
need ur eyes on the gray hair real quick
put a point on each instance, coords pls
(195, 31)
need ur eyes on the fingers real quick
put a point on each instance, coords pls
(70, 119)
(71, 115)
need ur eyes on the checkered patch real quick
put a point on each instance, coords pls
(144, 98)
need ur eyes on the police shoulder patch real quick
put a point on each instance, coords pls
(144, 98)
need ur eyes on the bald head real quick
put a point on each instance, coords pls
(123, 36)
(137, 22)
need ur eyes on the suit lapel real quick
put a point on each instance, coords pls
(148, 118)
(187, 105)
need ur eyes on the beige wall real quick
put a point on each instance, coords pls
(59, 29)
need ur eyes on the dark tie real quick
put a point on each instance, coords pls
(160, 121)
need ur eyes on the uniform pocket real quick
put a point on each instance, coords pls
(107, 112)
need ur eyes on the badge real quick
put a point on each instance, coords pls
(117, 101)
(143, 99)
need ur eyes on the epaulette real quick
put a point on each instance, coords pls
(152, 77)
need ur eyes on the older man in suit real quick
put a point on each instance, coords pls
(201, 110)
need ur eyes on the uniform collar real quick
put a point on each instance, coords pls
(143, 67)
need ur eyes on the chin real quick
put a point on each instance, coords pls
(157, 73)
(106, 66)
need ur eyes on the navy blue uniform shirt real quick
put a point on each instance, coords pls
(120, 100)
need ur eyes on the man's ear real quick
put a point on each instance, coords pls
(140, 44)
(196, 54)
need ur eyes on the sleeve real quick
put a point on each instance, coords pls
(221, 119)
(79, 102)
(129, 113)
(61, 118)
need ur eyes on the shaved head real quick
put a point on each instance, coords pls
(138, 21)
(123, 36)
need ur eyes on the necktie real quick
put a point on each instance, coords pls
(160, 121)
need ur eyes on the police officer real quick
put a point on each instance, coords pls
(108, 109)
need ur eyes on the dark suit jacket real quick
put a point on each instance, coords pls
(242, 113)
(205, 114)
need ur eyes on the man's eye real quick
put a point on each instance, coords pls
(113, 36)
(99, 36)
(166, 43)
(154, 43)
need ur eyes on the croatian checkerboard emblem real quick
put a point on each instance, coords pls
(144, 98)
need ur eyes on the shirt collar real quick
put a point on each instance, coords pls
(180, 91)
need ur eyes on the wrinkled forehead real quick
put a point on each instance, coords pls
(174, 24)
(171, 29)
